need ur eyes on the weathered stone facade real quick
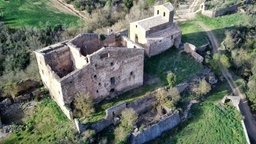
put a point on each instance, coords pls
(102, 65)
(157, 33)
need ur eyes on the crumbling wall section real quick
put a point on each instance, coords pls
(115, 110)
(59, 60)
(90, 43)
(191, 49)
(165, 123)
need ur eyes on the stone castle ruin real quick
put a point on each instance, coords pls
(105, 65)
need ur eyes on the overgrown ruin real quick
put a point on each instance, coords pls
(105, 65)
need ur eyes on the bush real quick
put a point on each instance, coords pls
(175, 94)
(129, 118)
(120, 134)
(102, 37)
(88, 135)
(202, 89)
(171, 79)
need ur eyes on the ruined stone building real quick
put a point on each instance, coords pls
(105, 65)
(102, 65)
(157, 33)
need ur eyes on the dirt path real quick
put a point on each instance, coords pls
(69, 8)
(244, 107)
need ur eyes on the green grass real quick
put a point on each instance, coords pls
(220, 24)
(47, 124)
(21, 13)
(192, 33)
(170, 60)
(208, 123)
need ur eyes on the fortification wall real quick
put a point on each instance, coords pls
(165, 123)
(220, 12)
(228, 10)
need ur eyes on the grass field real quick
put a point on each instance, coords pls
(21, 13)
(220, 24)
(193, 33)
(170, 60)
(208, 123)
(46, 124)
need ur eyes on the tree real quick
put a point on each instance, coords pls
(224, 60)
(171, 79)
(128, 3)
(83, 105)
(203, 88)
(167, 98)
(129, 118)
(251, 91)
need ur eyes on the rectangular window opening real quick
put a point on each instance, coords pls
(106, 55)
(112, 81)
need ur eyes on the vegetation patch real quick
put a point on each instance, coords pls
(46, 123)
(182, 65)
(193, 33)
(217, 5)
(208, 122)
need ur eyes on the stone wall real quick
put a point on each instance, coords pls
(165, 123)
(228, 10)
(115, 110)
(191, 49)
(220, 12)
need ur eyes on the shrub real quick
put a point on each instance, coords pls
(88, 135)
(175, 94)
(171, 79)
(142, 128)
(202, 89)
(129, 118)
(102, 37)
(120, 134)
(128, 3)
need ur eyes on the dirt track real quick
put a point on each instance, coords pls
(70, 8)
(249, 122)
